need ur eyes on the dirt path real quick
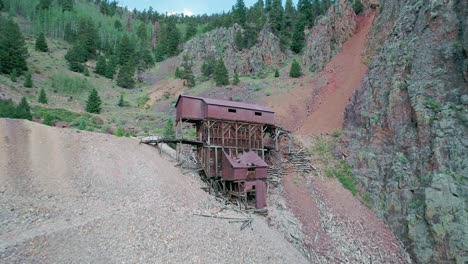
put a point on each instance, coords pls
(69, 196)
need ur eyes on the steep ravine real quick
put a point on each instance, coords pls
(407, 126)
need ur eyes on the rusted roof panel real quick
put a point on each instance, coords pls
(246, 160)
(226, 103)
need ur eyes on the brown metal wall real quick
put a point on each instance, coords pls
(245, 115)
(190, 108)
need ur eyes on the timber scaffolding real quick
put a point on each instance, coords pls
(239, 150)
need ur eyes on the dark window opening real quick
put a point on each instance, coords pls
(250, 169)
(258, 113)
(230, 110)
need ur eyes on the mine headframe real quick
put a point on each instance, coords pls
(233, 140)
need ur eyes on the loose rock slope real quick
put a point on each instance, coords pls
(77, 197)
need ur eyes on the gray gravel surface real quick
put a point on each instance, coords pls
(77, 197)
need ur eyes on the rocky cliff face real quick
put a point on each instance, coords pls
(325, 39)
(407, 126)
(220, 43)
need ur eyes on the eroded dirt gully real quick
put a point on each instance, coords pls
(338, 228)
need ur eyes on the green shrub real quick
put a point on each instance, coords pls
(28, 81)
(119, 132)
(57, 114)
(42, 97)
(141, 101)
(13, 75)
(343, 172)
(7, 108)
(169, 130)
(434, 105)
(358, 7)
(295, 71)
(336, 133)
(366, 200)
(41, 43)
(23, 111)
(93, 104)
(277, 74)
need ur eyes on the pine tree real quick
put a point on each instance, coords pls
(207, 67)
(178, 73)
(28, 83)
(221, 74)
(141, 32)
(144, 59)
(101, 66)
(44, 4)
(295, 71)
(125, 50)
(23, 111)
(169, 131)
(1, 5)
(277, 74)
(13, 51)
(191, 30)
(118, 25)
(298, 39)
(276, 16)
(306, 14)
(121, 102)
(239, 12)
(42, 97)
(236, 80)
(75, 57)
(173, 38)
(288, 24)
(13, 75)
(69, 34)
(111, 67)
(88, 37)
(67, 5)
(125, 76)
(93, 104)
(41, 43)
(187, 73)
(358, 7)
(239, 40)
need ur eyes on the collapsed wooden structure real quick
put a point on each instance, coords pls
(232, 140)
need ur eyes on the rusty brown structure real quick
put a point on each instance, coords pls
(231, 147)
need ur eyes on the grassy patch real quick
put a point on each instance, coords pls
(344, 173)
(323, 148)
(434, 105)
(50, 116)
(69, 85)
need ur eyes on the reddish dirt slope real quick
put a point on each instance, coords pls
(344, 73)
(317, 105)
(337, 227)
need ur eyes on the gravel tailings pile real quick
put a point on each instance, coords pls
(69, 196)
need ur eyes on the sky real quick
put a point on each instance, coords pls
(188, 7)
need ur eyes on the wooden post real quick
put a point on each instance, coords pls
(216, 161)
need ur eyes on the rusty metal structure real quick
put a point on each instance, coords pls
(232, 139)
